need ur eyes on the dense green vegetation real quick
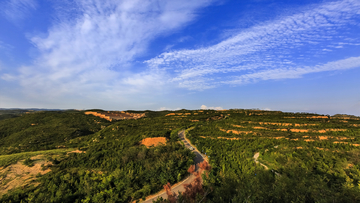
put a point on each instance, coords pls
(11, 113)
(45, 130)
(115, 167)
(318, 170)
(309, 158)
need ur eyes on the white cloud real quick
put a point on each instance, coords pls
(5, 47)
(283, 73)
(271, 47)
(93, 52)
(7, 77)
(184, 38)
(169, 109)
(212, 108)
(16, 10)
(203, 107)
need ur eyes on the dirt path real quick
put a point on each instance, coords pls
(256, 156)
(179, 187)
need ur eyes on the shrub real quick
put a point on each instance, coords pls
(28, 162)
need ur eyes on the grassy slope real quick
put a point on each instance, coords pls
(6, 160)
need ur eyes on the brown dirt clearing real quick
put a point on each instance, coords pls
(18, 174)
(236, 132)
(238, 126)
(153, 141)
(77, 151)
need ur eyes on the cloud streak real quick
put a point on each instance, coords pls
(94, 52)
(275, 48)
(17, 10)
(275, 74)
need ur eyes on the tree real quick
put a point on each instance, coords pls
(194, 192)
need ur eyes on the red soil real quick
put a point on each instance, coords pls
(153, 141)
(116, 115)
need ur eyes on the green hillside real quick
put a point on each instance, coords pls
(305, 157)
(45, 130)
(114, 167)
(309, 159)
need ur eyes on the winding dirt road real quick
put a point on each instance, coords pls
(256, 156)
(179, 187)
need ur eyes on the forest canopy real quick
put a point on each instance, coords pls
(301, 157)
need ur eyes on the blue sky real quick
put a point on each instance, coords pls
(298, 56)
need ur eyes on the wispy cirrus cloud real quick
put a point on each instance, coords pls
(93, 52)
(283, 73)
(16, 10)
(4, 48)
(284, 48)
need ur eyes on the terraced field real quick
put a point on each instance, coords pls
(255, 156)
(315, 158)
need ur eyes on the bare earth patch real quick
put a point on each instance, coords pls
(344, 138)
(327, 137)
(321, 148)
(226, 138)
(308, 130)
(282, 124)
(349, 166)
(323, 137)
(356, 145)
(170, 114)
(329, 130)
(282, 129)
(77, 151)
(153, 141)
(256, 127)
(17, 175)
(238, 126)
(277, 138)
(317, 117)
(299, 130)
(312, 117)
(229, 138)
(236, 132)
(116, 115)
